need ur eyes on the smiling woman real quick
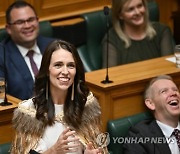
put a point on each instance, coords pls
(133, 36)
(62, 71)
(63, 116)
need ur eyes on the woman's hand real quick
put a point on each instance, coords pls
(66, 143)
(90, 149)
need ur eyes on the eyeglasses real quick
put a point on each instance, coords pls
(22, 22)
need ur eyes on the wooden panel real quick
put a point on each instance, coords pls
(3, 6)
(6, 131)
(6, 112)
(55, 3)
(57, 9)
(167, 7)
(67, 8)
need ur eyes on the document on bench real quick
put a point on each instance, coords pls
(171, 59)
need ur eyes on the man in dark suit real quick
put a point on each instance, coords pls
(22, 25)
(157, 136)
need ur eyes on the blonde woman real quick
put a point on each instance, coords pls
(133, 37)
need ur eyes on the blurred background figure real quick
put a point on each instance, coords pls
(133, 36)
(24, 48)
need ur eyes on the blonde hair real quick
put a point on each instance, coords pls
(117, 6)
(148, 88)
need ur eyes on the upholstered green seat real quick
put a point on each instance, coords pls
(119, 128)
(90, 52)
(5, 148)
(3, 34)
(153, 11)
(44, 26)
(45, 29)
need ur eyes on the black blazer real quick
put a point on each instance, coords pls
(150, 129)
(19, 80)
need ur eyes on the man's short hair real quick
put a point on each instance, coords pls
(147, 89)
(17, 4)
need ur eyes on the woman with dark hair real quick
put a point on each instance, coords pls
(63, 116)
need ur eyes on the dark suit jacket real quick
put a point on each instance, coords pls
(19, 80)
(147, 128)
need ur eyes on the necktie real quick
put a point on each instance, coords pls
(176, 133)
(33, 64)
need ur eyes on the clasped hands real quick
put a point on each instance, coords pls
(68, 143)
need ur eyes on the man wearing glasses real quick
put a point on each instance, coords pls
(24, 48)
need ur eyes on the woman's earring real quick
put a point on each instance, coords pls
(72, 92)
(47, 90)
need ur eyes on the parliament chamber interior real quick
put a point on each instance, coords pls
(83, 23)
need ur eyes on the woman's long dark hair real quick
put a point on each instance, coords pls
(73, 110)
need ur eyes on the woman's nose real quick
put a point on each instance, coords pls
(65, 70)
(136, 10)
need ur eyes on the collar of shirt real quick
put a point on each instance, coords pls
(24, 50)
(166, 129)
